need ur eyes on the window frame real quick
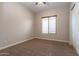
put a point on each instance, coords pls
(48, 24)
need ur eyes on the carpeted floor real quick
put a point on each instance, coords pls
(39, 47)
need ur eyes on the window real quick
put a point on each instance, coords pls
(49, 24)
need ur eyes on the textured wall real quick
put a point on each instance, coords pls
(62, 29)
(16, 23)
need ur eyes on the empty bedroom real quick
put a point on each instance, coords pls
(39, 29)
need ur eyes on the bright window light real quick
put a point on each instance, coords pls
(49, 25)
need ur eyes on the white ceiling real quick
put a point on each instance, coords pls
(49, 5)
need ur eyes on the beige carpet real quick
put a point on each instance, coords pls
(39, 47)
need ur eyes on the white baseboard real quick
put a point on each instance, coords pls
(53, 39)
(14, 44)
(28, 40)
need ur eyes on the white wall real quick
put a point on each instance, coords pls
(16, 23)
(74, 27)
(62, 33)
